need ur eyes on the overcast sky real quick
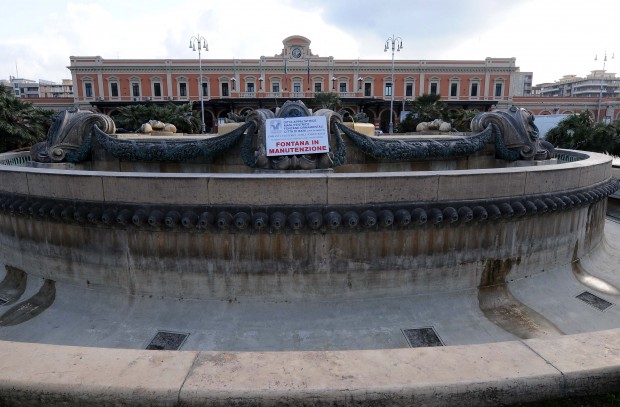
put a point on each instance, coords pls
(551, 38)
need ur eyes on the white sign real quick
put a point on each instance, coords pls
(297, 135)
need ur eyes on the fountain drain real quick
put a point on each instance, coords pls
(422, 337)
(165, 340)
(594, 301)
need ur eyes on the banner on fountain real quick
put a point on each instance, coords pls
(297, 136)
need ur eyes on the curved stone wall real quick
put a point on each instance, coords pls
(291, 235)
(504, 373)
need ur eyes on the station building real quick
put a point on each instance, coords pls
(295, 72)
(237, 85)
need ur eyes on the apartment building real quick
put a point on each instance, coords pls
(49, 89)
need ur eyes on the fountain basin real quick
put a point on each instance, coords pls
(289, 235)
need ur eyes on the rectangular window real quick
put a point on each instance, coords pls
(409, 89)
(454, 89)
(474, 89)
(224, 89)
(275, 88)
(317, 87)
(367, 89)
(388, 89)
(498, 89)
(251, 87)
(114, 89)
(296, 87)
(205, 89)
(343, 87)
(88, 89)
(135, 89)
(433, 88)
(157, 89)
(183, 89)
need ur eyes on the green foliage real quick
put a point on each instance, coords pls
(234, 118)
(359, 117)
(579, 132)
(182, 116)
(461, 119)
(428, 107)
(326, 101)
(21, 123)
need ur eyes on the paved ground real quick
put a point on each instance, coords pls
(547, 303)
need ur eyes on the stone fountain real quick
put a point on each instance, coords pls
(297, 207)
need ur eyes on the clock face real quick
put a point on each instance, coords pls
(296, 53)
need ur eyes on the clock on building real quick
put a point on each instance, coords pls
(296, 52)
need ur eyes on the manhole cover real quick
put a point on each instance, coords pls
(595, 301)
(167, 341)
(422, 337)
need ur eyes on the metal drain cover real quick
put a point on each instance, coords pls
(594, 301)
(164, 340)
(422, 337)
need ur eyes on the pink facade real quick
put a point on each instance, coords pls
(236, 85)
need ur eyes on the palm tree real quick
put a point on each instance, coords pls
(21, 123)
(424, 108)
(429, 107)
(182, 116)
(579, 132)
(461, 118)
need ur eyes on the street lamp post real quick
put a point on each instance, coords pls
(600, 97)
(201, 42)
(396, 44)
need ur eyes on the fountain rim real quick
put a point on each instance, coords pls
(516, 371)
(582, 158)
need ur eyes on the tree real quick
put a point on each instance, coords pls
(428, 107)
(21, 123)
(424, 108)
(579, 132)
(461, 118)
(324, 100)
(182, 116)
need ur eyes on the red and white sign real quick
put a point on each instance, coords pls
(297, 136)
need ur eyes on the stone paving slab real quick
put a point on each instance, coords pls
(474, 375)
(590, 362)
(47, 375)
